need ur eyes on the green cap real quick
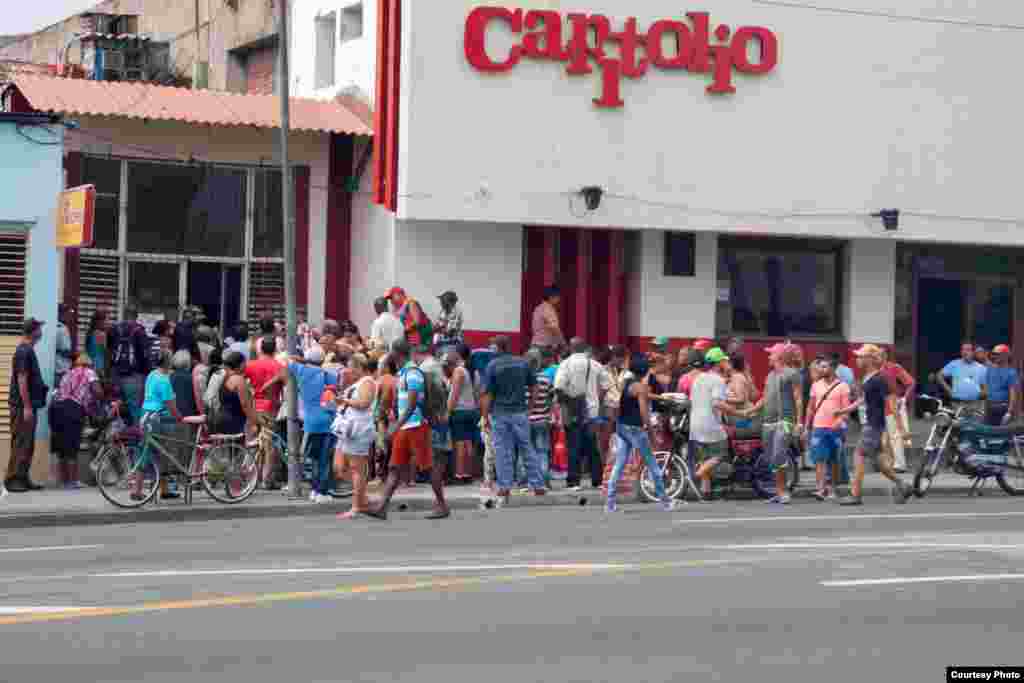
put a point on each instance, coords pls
(661, 342)
(716, 355)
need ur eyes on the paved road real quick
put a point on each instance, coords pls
(730, 592)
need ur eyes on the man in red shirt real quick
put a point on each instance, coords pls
(901, 390)
(260, 372)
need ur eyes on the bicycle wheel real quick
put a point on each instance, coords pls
(230, 473)
(123, 481)
(675, 474)
(1011, 480)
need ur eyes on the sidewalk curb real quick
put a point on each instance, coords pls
(34, 520)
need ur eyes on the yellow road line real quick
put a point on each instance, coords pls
(345, 592)
(263, 599)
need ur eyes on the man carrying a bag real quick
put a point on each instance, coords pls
(579, 385)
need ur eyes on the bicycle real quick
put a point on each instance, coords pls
(269, 444)
(130, 479)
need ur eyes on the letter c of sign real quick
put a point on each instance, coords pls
(476, 37)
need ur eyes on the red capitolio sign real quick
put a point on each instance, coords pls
(540, 34)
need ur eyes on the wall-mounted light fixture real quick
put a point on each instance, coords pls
(592, 197)
(890, 218)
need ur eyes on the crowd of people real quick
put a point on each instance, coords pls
(411, 403)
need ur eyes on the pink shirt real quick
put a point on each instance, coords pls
(837, 399)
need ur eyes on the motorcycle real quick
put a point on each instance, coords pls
(749, 467)
(960, 441)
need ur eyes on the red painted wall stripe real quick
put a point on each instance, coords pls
(393, 93)
(339, 228)
(380, 129)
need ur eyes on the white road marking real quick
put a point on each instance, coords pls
(869, 546)
(414, 569)
(970, 578)
(52, 548)
(844, 518)
(9, 611)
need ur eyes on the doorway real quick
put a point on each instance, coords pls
(940, 323)
(217, 289)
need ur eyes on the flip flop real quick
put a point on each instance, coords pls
(439, 514)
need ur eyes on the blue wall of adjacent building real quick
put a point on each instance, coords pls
(31, 178)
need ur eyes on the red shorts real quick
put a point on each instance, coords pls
(413, 445)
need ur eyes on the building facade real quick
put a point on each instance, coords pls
(189, 198)
(698, 174)
(219, 45)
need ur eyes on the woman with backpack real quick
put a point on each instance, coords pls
(76, 397)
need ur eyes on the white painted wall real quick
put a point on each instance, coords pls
(482, 263)
(355, 60)
(373, 252)
(241, 145)
(862, 113)
(674, 306)
(871, 291)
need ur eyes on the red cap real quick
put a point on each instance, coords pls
(395, 290)
(703, 344)
(1002, 348)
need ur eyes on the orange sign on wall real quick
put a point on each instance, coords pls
(76, 212)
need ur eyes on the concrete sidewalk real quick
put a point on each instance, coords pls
(54, 508)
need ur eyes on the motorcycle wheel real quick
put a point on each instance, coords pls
(926, 474)
(675, 475)
(1011, 480)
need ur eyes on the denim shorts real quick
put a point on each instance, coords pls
(871, 442)
(826, 446)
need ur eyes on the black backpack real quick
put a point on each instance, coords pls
(123, 358)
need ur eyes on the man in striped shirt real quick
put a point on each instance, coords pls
(540, 400)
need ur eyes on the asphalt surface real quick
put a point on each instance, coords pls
(726, 592)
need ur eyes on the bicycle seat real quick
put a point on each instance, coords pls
(195, 420)
(988, 430)
(227, 437)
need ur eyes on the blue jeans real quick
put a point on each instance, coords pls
(510, 432)
(630, 439)
(132, 387)
(540, 439)
(583, 447)
(319, 449)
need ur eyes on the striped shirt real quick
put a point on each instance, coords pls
(540, 401)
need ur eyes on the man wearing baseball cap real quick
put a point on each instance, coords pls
(708, 403)
(783, 408)
(1003, 388)
(27, 397)
(449, 324)
(413, 319)
(875, 395)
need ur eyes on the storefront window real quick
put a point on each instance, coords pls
(105, 174)
(268, 224)
(680, 250)
(191, 210)
(779, 288)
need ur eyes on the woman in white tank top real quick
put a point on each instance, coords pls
(356, 431)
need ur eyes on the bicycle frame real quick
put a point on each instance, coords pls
(194, 470)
